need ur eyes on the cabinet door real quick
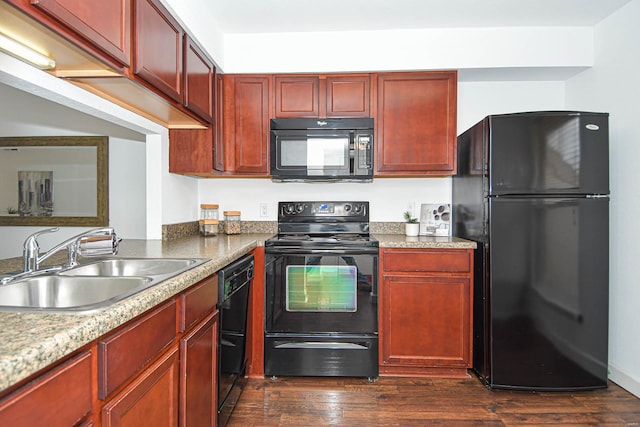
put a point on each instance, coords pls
(416, 123)
(198, 81)
(198, 375)
(191, 151)
(125, 352)
(60, 398)
(158, 48)
(296, 96)
(150, 400)
(426, 321)
(348, 96)
(106, 24)
(246, 124)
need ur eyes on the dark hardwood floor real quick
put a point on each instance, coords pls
(290, 401)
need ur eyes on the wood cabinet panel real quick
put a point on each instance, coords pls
(246, 124)
(191, 151)
(348, 96)
(62, 397)
(322, 95)
(198, 81)
(150, 400)
(125, 352)
(197, 301)
(218, 125)
(438, 309)
(443, 261)
(198, 375)
(296, 96)
(106, 24)
(426, 312)
(157, 46)
(416, 123)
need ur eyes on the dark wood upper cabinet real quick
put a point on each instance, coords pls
(416, 123)
(297, 96)
(106, 23)
(348, 95)
(246, 124)
(322, 95)
(157, 44)
(198, 81)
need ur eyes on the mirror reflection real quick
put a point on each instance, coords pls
(54, 181)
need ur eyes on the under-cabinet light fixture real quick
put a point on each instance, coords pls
(25, 53)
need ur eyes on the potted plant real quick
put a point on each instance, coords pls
(412, 226)
(12, 211)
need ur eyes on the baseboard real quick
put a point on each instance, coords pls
(624, 380)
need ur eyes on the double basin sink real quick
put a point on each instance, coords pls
(92, 286)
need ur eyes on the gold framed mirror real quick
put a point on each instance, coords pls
(54, 181)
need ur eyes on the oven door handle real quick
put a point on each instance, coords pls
(300, 251)
(321, 345)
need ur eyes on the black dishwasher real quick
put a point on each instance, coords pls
(234, 283)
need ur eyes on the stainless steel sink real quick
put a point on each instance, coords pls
(134, 267)
(60, 293)
(91, 286)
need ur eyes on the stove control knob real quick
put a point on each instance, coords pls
(347, 207)
(288, 208)
(357, 209)
(299, 207)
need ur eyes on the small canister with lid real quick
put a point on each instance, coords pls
(232, 222)
(208, 211)
(209, 221)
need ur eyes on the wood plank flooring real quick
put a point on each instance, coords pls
(291, 401)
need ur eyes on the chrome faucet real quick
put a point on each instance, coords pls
(107, 244)
(97, 242)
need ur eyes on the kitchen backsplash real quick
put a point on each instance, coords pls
(185, 229)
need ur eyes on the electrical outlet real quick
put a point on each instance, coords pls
(264, 210)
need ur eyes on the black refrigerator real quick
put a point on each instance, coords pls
(532, 189)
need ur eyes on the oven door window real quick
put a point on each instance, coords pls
(301, 297)
(321, 288)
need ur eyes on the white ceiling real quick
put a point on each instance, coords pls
(278, 16)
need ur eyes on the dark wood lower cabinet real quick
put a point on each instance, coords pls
(198, 375)
(426, 312)
(60, 398)
(150, 400)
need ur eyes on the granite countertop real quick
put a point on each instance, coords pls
(424, 242)
(30, 342)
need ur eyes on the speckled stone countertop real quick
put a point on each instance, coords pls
(402, 241)
(30, 342)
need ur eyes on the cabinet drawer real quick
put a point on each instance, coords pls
(124, 353)
(198, 301)
(62, 397)
(443, 261)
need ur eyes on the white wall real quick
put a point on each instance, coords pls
(613, 85)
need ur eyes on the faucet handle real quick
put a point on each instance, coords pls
(31, 249)
(34, 236)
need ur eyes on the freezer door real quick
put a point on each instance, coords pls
(547, 153)
(548, 293)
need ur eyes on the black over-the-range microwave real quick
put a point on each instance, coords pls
(332, 149)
